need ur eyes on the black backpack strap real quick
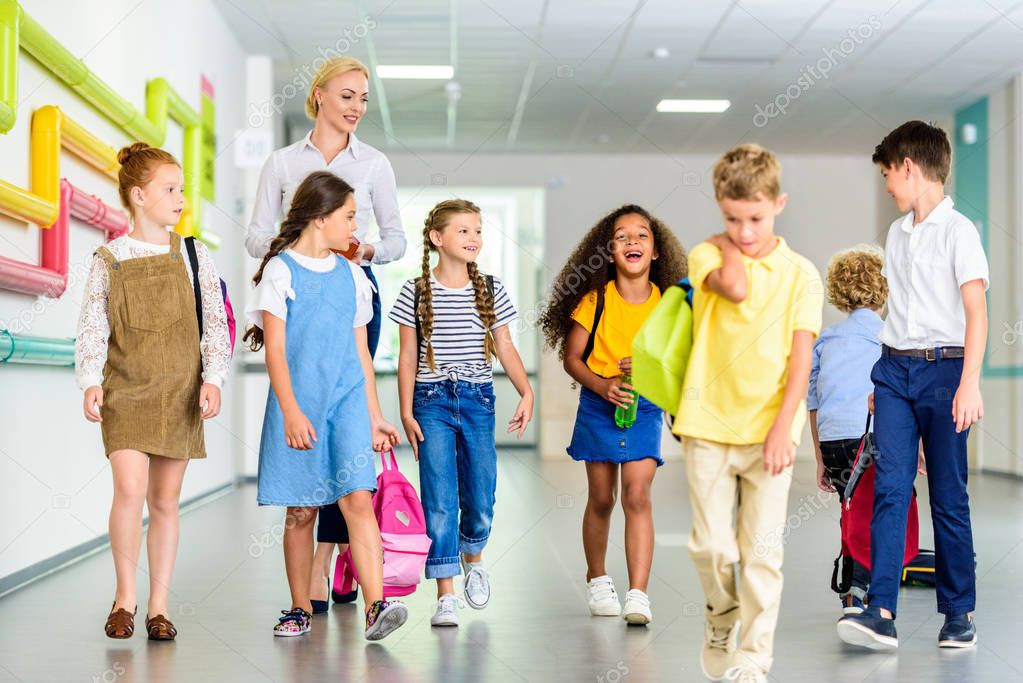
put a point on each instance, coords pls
(193, 260)
(415, 315)
(843, 565)
(490, 288)
(597, 312)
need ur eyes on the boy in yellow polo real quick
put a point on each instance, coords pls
(756, 311)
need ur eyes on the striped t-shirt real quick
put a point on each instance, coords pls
(457, 330)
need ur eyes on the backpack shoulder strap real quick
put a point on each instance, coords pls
(193, 260)
(490, 286)
(597, 312)
(415, 315)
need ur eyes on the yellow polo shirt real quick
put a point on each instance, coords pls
(736, 375)
(617, 327)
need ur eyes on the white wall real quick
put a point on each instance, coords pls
(997, 440)
(56, 480)
(834, 203)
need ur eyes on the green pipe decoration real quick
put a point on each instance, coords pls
(162, 101)
(37, 350)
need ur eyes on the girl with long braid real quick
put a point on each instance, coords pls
(453, 321)
(323, 418)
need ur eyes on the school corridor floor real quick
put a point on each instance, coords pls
(229, 586)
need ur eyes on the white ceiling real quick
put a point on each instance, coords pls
(579, 76)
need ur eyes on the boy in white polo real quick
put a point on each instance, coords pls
(926, 385)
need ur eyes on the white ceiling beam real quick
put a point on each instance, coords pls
(378, 85)
(453, 52)
(605, 78)
(527, 81)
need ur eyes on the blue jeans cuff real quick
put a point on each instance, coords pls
(471, 546)
(443, 568)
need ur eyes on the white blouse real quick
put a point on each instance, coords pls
(362, 166)
(274, 288)
(94, 325)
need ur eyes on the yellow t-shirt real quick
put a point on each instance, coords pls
(616, 329)
(735, 380)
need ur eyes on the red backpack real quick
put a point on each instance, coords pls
(402, 533)
(857, 512)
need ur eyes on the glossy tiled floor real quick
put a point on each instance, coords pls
(229, 586)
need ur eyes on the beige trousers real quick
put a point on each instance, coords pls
(718, 474)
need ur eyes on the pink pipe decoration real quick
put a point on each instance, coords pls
(50, 277)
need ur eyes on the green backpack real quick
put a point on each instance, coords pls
(661, 348)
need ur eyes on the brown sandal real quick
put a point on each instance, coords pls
(160, 628)
(120, 623)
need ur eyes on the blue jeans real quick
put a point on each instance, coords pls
(332, 527)
(457, 469)
(913, 400)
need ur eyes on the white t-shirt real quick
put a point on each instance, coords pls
(274, 288)
(458, 334)
(925, 266)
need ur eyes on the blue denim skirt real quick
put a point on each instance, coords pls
(596, 437)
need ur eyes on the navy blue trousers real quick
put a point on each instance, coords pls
(913, 400)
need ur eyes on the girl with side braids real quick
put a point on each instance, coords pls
(453, 321)
(619, 270)
(323, 419)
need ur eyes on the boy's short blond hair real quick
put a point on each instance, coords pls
(747, 173)
(855, 280)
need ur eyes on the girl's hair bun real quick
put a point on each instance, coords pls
(127, 152)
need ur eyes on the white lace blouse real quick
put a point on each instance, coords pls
(94, 326)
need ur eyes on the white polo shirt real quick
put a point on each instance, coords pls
(926, 265)
(363, 167)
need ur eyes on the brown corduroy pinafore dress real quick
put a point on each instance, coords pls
(153, 371)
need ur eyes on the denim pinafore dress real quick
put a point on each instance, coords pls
(327, 378)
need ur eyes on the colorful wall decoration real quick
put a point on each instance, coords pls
(162, 102)
(50, 202)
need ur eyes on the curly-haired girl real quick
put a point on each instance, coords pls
(840, 379)
(453, 320)
(610, 284)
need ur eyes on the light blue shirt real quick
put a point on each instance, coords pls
(843, 357)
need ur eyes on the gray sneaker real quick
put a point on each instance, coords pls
(476, 585)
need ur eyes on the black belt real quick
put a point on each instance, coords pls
(928, 354)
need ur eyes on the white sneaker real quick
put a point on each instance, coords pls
(476, 585)
(603, 599)
(719, 645)
(637, 608)
(447, 611)
(745, 674)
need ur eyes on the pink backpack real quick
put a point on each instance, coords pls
(402, 532)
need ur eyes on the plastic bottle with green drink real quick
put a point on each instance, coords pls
(626, 417)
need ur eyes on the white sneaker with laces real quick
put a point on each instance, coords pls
(447, 611)
(637, 608)
(719, 645)
(602, 597)
(477, 584)
(745, 674)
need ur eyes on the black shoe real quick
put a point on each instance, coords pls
(869, 629)
(958, 631)
(321, 606)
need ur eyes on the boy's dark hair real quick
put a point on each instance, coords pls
(927, 145)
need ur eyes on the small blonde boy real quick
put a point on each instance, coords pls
(840, 383)
(756, 311)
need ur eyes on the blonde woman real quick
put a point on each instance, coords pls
(336, 103)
